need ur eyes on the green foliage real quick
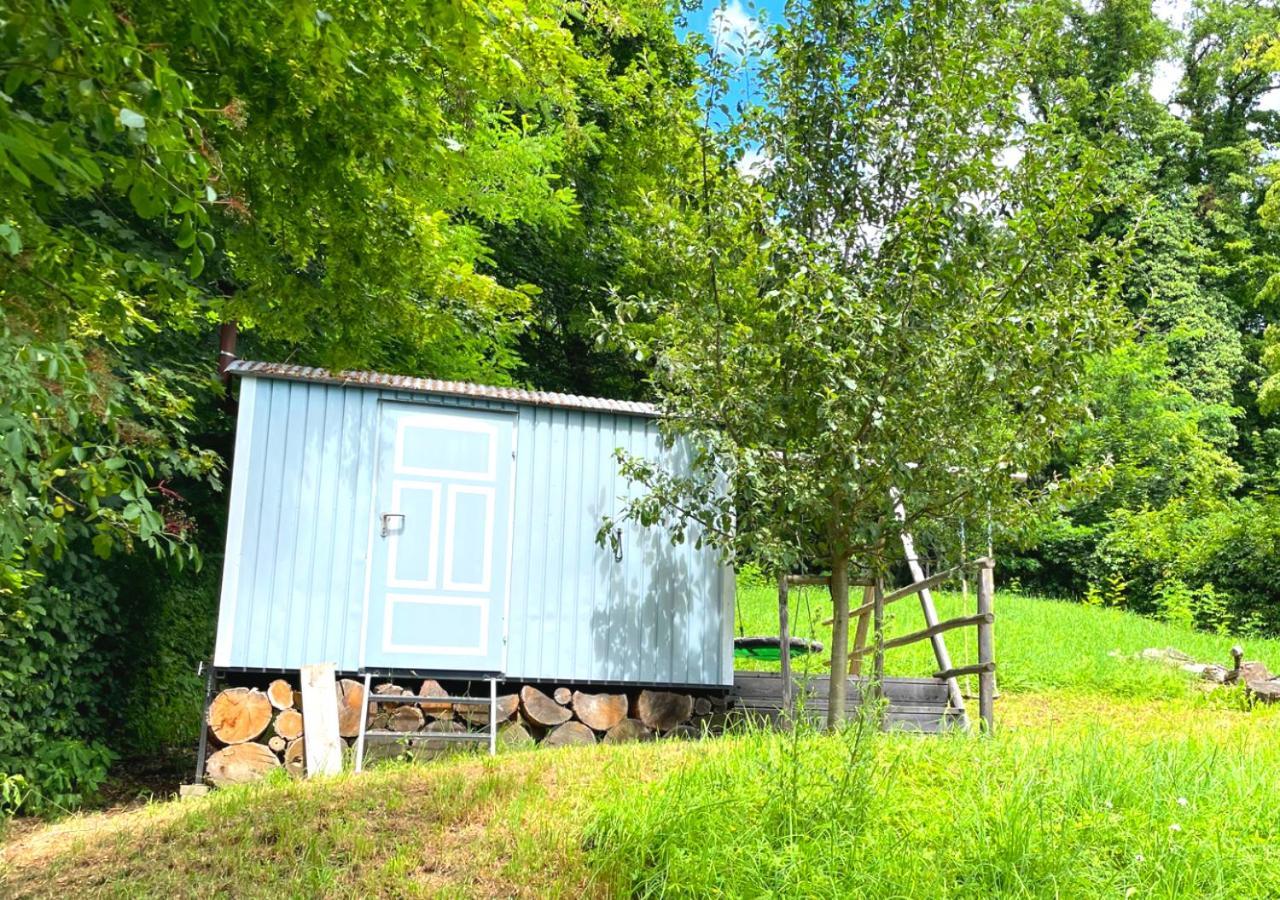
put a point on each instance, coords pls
(339, 179)
(54, 675)
(915, 322)
(1041, 645)
(156, 695)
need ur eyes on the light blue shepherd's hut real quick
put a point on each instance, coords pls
(395, 524)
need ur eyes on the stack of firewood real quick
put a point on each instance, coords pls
(255, 731)
(559, 718)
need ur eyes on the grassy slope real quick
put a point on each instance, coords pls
(1040, 644)
(1078, 795)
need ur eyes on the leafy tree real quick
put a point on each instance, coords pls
(329, 176)
(903, 306)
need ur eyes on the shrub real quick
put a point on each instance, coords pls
(54, 671)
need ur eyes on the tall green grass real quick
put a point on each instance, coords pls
(1094, 812)
(1040, 644)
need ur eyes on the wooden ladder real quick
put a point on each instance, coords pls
(461, 736)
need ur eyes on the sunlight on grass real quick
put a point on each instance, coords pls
(1089, 810)
(1040, 644)
(1096, 759)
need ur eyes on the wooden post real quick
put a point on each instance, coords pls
(320, 700)
(860, 636)
(986, 646)
(877, 669)
(926, 605)
(838, 689)
(784, 638)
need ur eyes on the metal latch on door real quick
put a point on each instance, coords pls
(386, 522)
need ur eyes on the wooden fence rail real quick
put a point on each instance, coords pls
(870, 616)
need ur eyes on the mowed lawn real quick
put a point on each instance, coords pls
(1108, 776)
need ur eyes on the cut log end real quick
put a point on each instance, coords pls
(562, 695)
(628, 730)
(540, 709)
(288, 724)
(280, 693)
(238, 715)
(406, 719)
(664, 710)
(600, 711)
(350, 695)
(570, 734)
(432, 688)
(240, 764)
(295, 758)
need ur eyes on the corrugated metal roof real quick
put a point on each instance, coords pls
(354, 378)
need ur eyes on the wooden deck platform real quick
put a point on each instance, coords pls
(915, 704)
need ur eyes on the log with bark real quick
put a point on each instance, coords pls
(540, 709)
(684, 732)
(240, 763)
(628, 730)
(570, 733)
(377, 704)
(277, 743)
(477, 714)
(599, 711)
(280, 693)
(350, 707)
(444, 726)
(514, 735)
(295, 758)
(663, 710)
(432, 688)
(288, 724)
(701, 706)
(406, 718)
(239, 714)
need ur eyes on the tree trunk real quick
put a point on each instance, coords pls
(239, 714)
(837, 699)
(240, 763)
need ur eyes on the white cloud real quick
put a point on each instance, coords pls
(1168, 72)
(754, 164)
(734, 31)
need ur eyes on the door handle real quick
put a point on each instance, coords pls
(386, 522)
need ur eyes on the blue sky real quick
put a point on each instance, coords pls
(735, 24)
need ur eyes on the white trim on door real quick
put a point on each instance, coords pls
(451, 423)
(480, 603)
(486, 576)
(398, 488)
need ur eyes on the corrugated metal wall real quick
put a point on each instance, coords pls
(299, 529)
